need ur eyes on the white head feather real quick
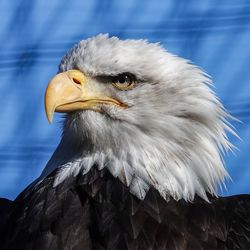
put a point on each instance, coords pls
(170, 138)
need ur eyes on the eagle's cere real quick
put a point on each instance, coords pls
(156, 121)
(139, 161)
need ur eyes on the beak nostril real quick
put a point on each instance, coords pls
(75, 80)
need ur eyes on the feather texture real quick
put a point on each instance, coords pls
(96, 211)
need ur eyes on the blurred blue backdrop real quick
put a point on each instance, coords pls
(34, 35)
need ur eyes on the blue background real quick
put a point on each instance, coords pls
(34, 35)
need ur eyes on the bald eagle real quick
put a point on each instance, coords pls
(140, 159)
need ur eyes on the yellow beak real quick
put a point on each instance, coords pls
(67, 92)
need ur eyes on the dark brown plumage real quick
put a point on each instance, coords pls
(96, 211)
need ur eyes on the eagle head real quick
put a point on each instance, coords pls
(146, 115)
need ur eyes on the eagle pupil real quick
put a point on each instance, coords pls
(123, 79)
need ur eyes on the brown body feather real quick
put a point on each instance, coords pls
(96, 211)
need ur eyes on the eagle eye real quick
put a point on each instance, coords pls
(124, 81)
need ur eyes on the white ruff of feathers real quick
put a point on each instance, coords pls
(170, 138)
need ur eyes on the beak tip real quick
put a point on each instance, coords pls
(49, 118)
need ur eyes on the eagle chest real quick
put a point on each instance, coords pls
(96, 211)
